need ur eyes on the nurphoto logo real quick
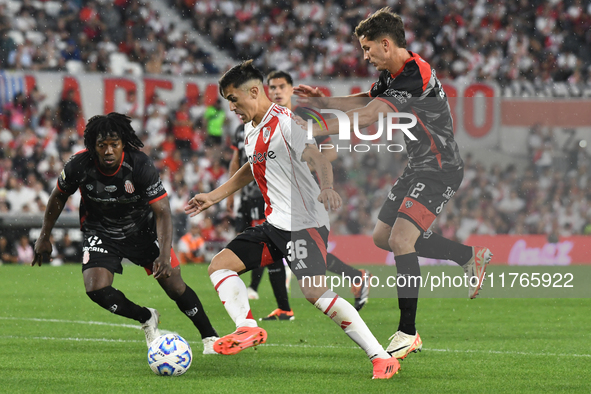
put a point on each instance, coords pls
(345, 129)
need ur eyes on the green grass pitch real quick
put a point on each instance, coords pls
(53, 339)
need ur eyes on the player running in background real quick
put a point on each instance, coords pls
(297, 221)
(124, 213)
(434, 172)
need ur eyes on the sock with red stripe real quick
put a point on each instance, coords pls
(233, 294)
(347, 317)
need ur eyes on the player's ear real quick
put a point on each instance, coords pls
(254, 91)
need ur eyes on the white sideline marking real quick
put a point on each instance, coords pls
(97, 323)
(137, 327)
(509, 353)
(73, 339)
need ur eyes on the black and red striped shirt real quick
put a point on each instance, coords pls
(416, 89)
(117, 205)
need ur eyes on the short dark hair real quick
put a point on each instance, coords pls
(238, 75)
(113, 125)
(280, 74)
(382, 23)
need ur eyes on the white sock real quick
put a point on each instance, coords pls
(233, 294)
(347, 317)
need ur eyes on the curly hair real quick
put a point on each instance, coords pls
(114, 125)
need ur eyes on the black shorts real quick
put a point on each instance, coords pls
(251, 213)
(420, 196)
(99, 250)
(304, 250)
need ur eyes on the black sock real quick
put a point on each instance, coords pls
(191, 306)
(115, 302)
(277, 278)
(408, 291)
(255, 280)
(334, 264)
(434, 246)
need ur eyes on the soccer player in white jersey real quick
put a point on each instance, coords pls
(297, 223)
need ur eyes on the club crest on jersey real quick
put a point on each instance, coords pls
(89, 186)
(129, 186)
(266, 134)
(408, 204)
(110, 188)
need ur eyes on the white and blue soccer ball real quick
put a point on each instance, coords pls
(170, 355)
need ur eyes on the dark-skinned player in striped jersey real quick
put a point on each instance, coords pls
(124, 213)
(434, 173)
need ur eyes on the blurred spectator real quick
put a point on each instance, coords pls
(131, 108)
(7, 47)
(178, 200)
(7, 254)
(191, 246)
(215, 118)
(24, 250)
(19, 195)
(68, 111)
(183, 129)
(68, 251)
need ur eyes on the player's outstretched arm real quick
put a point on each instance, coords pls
(202, 201)
(55, 206)
(309, 95)
(161, 267)
(317, 160)
(367, 115)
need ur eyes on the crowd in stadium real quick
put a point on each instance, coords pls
(189, 141)
(551, 196)
(504, 41)
(478, 40)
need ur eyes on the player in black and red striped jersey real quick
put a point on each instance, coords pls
(407, 83)
(124, 213)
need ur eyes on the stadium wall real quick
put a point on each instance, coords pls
(524, 250)
(483, 119)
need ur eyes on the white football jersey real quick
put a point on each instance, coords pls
(274, 150)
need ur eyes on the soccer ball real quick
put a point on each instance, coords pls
(169, 355)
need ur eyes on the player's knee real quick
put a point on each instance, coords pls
(225, 259)
(400, 243)
(381, 240)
